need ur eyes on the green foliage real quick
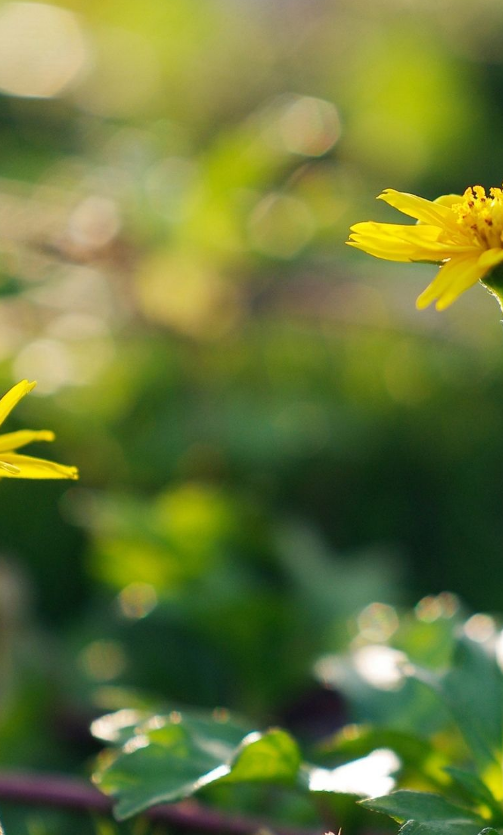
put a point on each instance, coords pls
(270, 438)
(476, 709)
(470, 687)
(421, 806)
(169, 757)
(450, 784)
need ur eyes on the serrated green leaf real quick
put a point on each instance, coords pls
(405, 805)
(164, 761)
(413, 827)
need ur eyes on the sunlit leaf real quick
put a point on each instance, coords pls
(272, 756)
(406, 805)
(364, 777)
(167, 758)
(121, 725)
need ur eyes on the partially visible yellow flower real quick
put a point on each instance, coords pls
(464, 235)
(14, 465)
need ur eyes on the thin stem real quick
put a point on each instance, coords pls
(61, 792)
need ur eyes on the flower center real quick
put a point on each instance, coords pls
(481, 216)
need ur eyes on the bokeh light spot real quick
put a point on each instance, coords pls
(94, 222)
(480, 628)
(381, 666)
(42, 49)
(377, 622)
(309, 126)
(431, 608)
(103, 660)
(137, 600)
(280, 226)
(47, 361)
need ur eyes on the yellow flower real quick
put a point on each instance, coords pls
(464, 235)
(14, 465)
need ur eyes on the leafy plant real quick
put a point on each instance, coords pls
(446, 783)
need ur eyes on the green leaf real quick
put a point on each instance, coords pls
(121, 725)
(274, 756)
(414, 752)
(440, 827)
(473, 786)
(164, 761)
(472, 689)
(405, 805)
(358, 740)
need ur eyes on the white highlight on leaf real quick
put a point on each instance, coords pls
(369, 776)
(108, 727)
(215, 774)
(135, 743)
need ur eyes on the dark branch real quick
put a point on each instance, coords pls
(70, 793)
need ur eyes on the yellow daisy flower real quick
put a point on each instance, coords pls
(14, 465)
(463, 234)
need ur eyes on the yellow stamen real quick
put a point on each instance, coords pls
(481, 217)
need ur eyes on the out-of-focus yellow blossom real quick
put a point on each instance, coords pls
(463, 234)
(14, 465)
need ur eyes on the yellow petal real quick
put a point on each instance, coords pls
(9, 468)
(13, 396)
(35, 467)
(424, 210)
(379, 252)
(490, 259)
(14, 440)
(401, 231)
(456, 276)
(468, 275)
(395, 242)
(462, 283)
(448, 200)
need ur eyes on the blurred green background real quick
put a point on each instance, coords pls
(270, 437)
